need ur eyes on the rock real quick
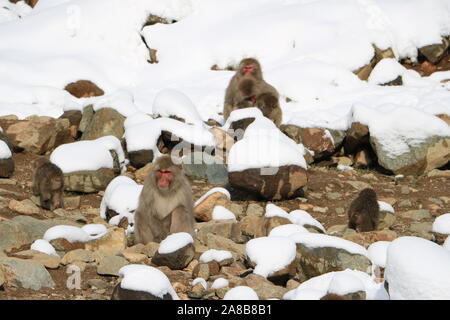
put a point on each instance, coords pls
(367, 238)
(221, 243)
(223, 140)
(25, 206)
(241, 124)
(26, 274)
(358, 185)
(134, 257)
(253, 226)
(386, 220)
(405, 204)
(84, 89)
(86, 118)
(364, 72)
(72, 202)
(124, 294)
(254, 209)
(98, 283)
(201, 270)
(223, 228)
(286, 183)
(422, 158)
(176, 260)
(111, 243)
(271, 223)
(105, 122)
(435, 52)
(38, 135)
(415, 214)
(143, 172)
(203, 210)
(110, 265)
(340, 230)
(78, 255)
(237, 209)
(150, 249)
(357, 137)
(201, 165)
(64, 245)
(435, 173)
(47, 260)
(88, 181)
(264, 288)
(422, 229)
(140, 158)
(6, 167)
(197, 291)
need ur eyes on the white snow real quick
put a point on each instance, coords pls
(385, 71)
(70, 233)
(270, 254)
(384, 206)
(299, 217)
(314, 240)
(417, 269)
(446, 244)
(287, 230)
(95, 230)
(215, 255)
(87, 154)
(222, 213)
(5, 152)
(377, 253)
(174, 242)
(210, 192)
(13, 11)
(170, 102)
(219, 283)
(339, 282)
(148, 279)
(122, 196)
(43, 246)
(342, 167)
(241, 293)
(442, 224)
(200, 280)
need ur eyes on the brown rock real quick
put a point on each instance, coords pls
(176, 260)
(143, 172)
(62, 244)
(84, 89)
(253, 226)
(316, 140)
(444, 117)
(140, 158)
(203, 211)
(274, 222)
(111, 243)
(6, 167)
(226, 229)
(25, 206)
(367, 238)
(106, 122)
(264, 288)
(47, 260)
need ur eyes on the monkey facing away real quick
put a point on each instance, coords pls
(364, 211)
(48, 184)
(241, 92)
(269, 106)
(165, 204)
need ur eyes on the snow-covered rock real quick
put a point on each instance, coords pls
(175, 251)
(241, 293)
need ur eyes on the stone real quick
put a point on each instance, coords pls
(140, 158)
(105, 122)
(367, 238)
(64, 245)
(436, 173)
(134, 257)
(264, 288)
(405, 204)
(197, 291)
(223, 140)
(223, 228)
(416, 214)
(252, 226)
(286, 183)
(203, 210)
(98, 283)
(47, 260)
(357, 137)
(84, 89)
(422, 229)
(340, 230)
(221, 243)
(358, 185)
(434, 52)
(150, 249)
(72, 202)
(38, 135)
(124, 294)
(271, 223)
(254, 209)
(86, 118)
(78, 255)
(143, 172)
(113, 242)
(88, 181)
(24, 207)
(26, 274)
(110, 265)
(386, 220)
(6, 167)
(176, 260)
(201, 270)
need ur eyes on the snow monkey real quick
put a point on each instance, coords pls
(241, 92)
(364, 211)
(165, 205)
(48, 184)
(269, 106)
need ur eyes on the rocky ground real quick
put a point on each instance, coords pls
(417, 202)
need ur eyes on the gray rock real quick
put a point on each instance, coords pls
(255, 209)
(88, 181)
(422, 229)
(105, 122)
(226, 229)
(405, 204)
(416, 214)
(88, 114)
(340, 230)
(176, 260)
(339, 210)
(435, 52)
(333, 195)
(200, 165)
(221, 243)
(110, 265)
(387, 220)
(27, 274)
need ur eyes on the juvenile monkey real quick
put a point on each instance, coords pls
(268, 104)
(364, 211)
(48, 184)
(165, 205)
(248, 69)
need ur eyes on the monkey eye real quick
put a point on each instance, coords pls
(164, 171)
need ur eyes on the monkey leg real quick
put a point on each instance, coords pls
(57, 200)
(182, 221)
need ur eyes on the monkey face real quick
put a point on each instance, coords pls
(250, 67)
(164, 178)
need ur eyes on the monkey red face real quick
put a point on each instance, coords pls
(164, 176)
(249, 69)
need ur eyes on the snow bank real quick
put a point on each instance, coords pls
(446, 244)
(241, 293)
(5, 152)
(222, 213)
(87, 155)
(299, 217)
(418, 274)
(287, 230)
(170, 102)
(70, 233)
(148, 279)
(270, 254)
(385, 71)
(95, 230)
(377, 253)
(215, 255)
(43, 246)
(442, 224)
(210, 192)
(13, 11)
(314, 240)
(174, 242)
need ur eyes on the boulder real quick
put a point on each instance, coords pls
(105, 122)
(26, 274)
(110, 265)
(140, 158)
(84, 89)
(434, 52)
(176, 260)
(264, 288)
(226, 229)
(125, 294)
(88, 181)
(113, 242)
(203, 210)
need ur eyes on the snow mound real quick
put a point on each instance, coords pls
(148, 279)
(200, 280)
(241, 293)
(377, 253)
(270, 254)
(87, 155)
(299, 217)
(219, 283)
(95, 230)
(287, 230)
(222, 213)
(43, 246)
(5, 152)
(70, 233)
(339, 282)
(215, 255)
(174, 242)
(210, 192)
(384, 206)
(418, 274)
(385, 71)
(442, 224)
(314, 240)
(446, 244)
(170, 102)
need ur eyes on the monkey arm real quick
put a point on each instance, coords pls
(182, 221)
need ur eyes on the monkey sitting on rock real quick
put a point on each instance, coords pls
(364, 212)
(165, 204)
(48, 184)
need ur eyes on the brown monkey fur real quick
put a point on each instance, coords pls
(364, 211)
(332, 296)
(235, 93)
(269, 106)
(167, 209)
(48, 184)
